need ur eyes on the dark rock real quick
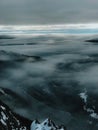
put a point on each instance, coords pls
(92, 40)
(11, 121)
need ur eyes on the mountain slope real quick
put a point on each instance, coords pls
(12, 121)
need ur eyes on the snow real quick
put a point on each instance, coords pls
(91, 111)
(84, 96)
(45, 125)
(3, 122)
(94, 115)
(3, 108)
(4, 116)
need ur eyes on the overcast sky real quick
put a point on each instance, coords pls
(48, 11)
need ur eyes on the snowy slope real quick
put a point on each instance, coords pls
(45, 125)
(11, 121)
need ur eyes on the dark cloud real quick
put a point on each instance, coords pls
(48, 11)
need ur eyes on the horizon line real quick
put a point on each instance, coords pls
(51, 26)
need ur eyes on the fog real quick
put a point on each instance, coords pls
(49, 73)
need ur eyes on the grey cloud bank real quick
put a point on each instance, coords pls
(48, 11)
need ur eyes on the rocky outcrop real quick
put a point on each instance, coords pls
(92, 40)
(11, 121)
(46, 125)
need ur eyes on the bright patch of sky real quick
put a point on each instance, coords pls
(91, 28)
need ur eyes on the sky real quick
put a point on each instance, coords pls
(32, 12)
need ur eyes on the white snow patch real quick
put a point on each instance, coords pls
(3, 122)
(45, 125)
(91, 111)
(94, 115)
(3, 108)
(84, 96)
(4, 116)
